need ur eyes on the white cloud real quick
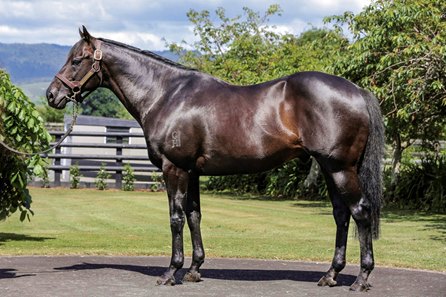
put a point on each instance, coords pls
(144, 23)
(8, 31)
(142, 39)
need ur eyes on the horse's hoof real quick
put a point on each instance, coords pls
(193, 277)
(360, 287)
(166, 281)
(327, 281)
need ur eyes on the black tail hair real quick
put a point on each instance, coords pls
(370, 170)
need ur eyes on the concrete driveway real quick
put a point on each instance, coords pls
(72, 276)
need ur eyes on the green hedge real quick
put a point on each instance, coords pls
(421, 185)
(286, 182)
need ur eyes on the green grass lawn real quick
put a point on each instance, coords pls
(91, 222)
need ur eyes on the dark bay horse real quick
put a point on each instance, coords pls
(195, 124)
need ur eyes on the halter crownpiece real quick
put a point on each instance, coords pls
(76, 86)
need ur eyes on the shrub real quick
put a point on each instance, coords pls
(157, 182)
(421, 185)
(288, 181)
(238, 184)
(101, 178)
(21, 127)
(128, 178)
(75, 176)
(297, 179)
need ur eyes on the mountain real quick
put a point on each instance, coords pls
(34, 64)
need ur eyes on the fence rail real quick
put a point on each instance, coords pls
(89, 162)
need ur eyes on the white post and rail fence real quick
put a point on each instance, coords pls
(96, 142)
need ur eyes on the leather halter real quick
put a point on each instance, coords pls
(76, 85)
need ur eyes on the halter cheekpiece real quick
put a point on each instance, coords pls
(76, 85)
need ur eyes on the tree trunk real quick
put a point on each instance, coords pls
(312, 177)
(396, 164)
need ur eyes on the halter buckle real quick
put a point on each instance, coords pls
(97, 55)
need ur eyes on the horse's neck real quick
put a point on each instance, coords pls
(139, 81)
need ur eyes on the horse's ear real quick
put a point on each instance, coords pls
(84, 34)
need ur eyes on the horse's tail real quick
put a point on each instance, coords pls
(370, 169)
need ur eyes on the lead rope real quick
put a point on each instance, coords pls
(70, 129)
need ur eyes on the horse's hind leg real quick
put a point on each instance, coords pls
(193, 214)
(346, 195)
(361, 213)
(341, 214)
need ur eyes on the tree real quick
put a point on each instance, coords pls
(104, 103)
(21, 127)
(246, 50)
(398, 52)
(319, 48)
(230, 49)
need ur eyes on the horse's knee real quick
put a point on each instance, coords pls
(177, 222)
(194, 218)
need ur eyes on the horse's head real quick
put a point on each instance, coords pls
(81, 73)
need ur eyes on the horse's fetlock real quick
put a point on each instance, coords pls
(338, 264)
(198, 256)
(368, 263)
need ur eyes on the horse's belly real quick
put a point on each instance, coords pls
(226, 164)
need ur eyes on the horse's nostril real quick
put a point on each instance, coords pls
(49, 95)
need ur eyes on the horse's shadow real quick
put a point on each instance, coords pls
(11, 273)
(223, 274)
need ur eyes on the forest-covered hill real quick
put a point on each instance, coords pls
(31, 63)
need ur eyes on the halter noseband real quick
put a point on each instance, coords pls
(76, 85)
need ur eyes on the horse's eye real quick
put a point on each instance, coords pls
(76, 61)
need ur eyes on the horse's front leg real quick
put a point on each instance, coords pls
(176, 184)
(193, 214)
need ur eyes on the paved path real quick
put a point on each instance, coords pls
(136, 276)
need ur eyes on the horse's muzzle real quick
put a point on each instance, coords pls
(54, 100)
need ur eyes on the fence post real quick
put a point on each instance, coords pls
(118, 179)
(57, 172)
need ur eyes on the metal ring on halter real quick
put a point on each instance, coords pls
(96, 67)
(73, 97)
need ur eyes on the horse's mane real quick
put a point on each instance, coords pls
(147, 53)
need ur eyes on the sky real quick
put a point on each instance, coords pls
(146, 24)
